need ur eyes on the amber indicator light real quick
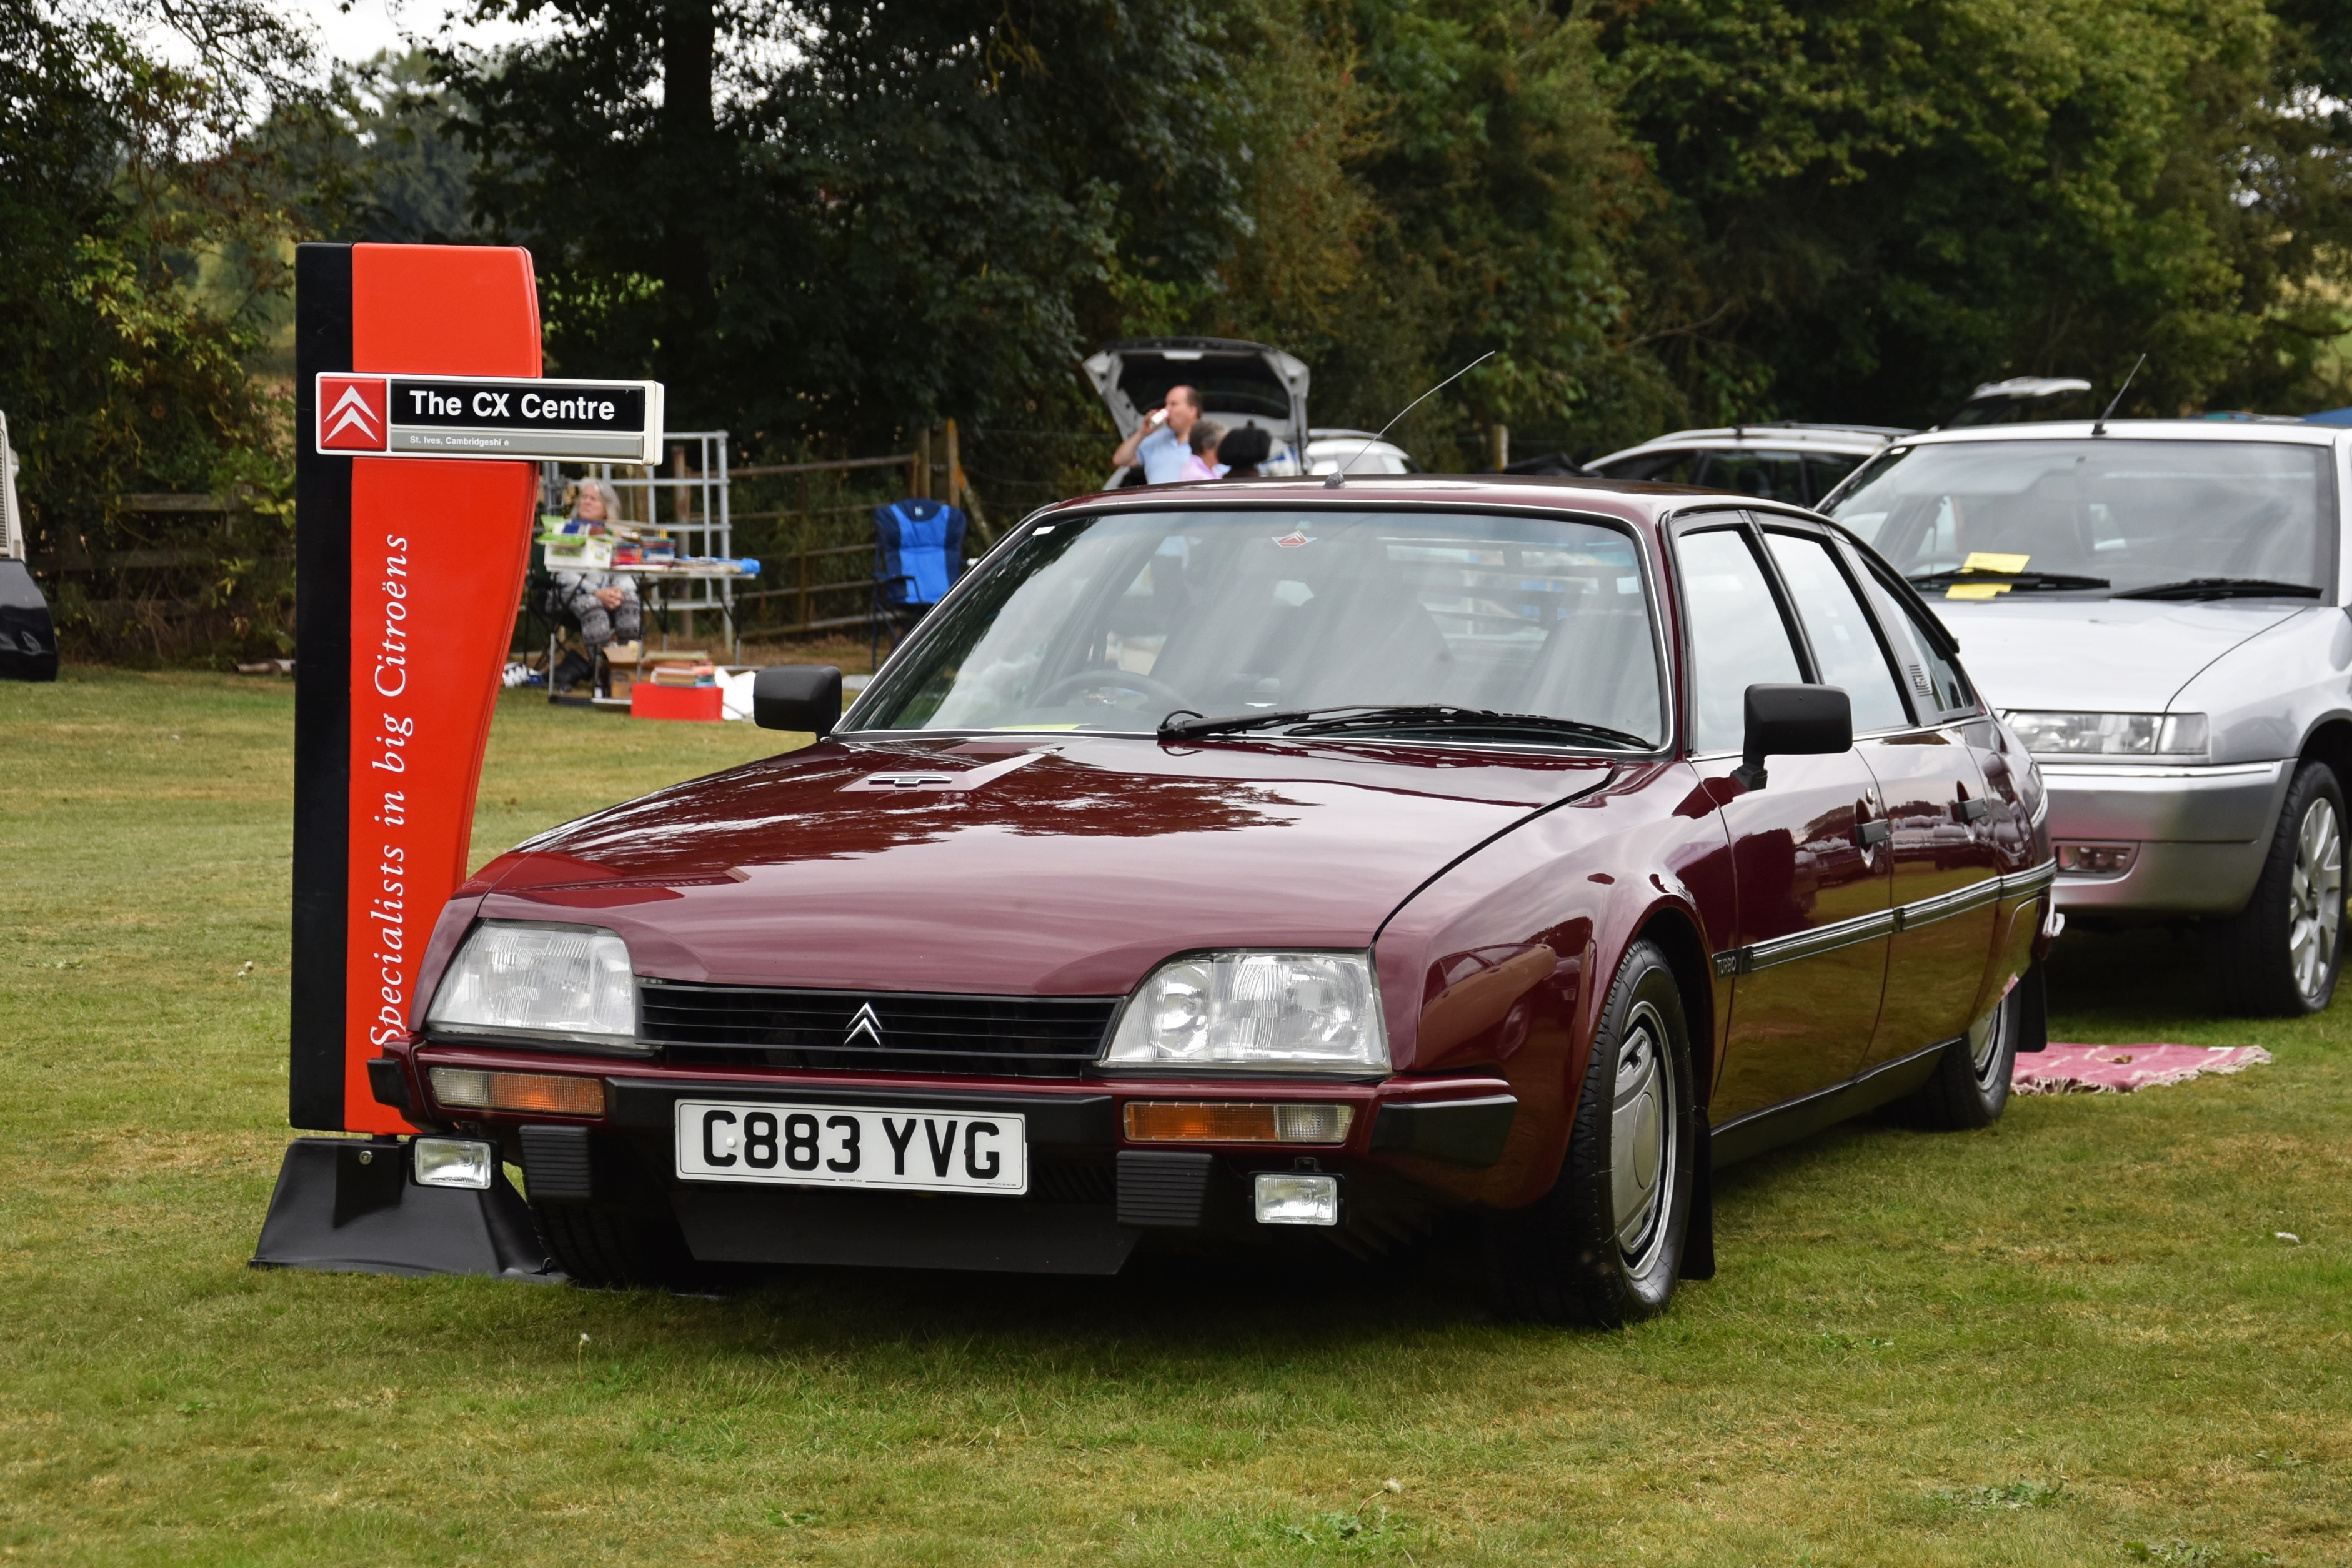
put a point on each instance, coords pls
(551, 1094)
(1235, 1122)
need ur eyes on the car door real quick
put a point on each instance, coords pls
(1812, 901)
(1930, 799)
(1999, 816)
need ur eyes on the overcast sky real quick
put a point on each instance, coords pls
(368, 25)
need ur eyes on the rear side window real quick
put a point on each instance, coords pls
(1935, 683)
(1824, 469)
(1774, 476)
(1658, 467)
(1737, 635)
(1838, 627)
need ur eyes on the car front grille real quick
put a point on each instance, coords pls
(876, 1031)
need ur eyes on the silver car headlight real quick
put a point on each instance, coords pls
(1299, 1012)
(541, 981)
(2111, 733)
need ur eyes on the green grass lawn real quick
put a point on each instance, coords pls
(2074, 1338)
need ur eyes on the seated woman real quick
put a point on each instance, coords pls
(604, 603)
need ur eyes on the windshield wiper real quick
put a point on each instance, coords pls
(2222, 588)
(2048, 581)
(1418, 716)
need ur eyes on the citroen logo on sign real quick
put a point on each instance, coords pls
(863, 1022)
(351, 413)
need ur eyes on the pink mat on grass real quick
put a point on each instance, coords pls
(2120, 1069)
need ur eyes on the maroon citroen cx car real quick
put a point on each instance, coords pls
(1269, 863)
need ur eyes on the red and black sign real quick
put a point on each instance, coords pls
(409, 569)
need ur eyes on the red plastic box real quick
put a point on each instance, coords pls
(700, 704)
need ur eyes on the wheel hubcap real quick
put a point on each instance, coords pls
(2314, 908)
(1642, 1138)
(1985, 1041)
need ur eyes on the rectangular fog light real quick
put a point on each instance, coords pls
(454, 1161)
(551, 1093)
(1287, 1198)
(2097, 860)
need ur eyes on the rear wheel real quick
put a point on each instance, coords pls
(1603, 1246)
(1969, 1087)
(2278, 957)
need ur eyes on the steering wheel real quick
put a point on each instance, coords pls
(1085, 680)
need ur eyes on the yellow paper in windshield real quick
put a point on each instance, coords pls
(1980, 589)
(1986, 560)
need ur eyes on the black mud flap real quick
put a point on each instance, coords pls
(347, 1206)
(1698, 1231)
(2033, 1011)
(28, 637)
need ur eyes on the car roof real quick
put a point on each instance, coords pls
(2139, 429)
(1629, 500)
(1840, 438)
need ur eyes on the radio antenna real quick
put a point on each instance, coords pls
(2099, 426)
(1339, 474)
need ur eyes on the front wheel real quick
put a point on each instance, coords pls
(1603, 1246)
(2278, 957)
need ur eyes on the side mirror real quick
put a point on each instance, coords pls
(798, 696)
(1792, 721)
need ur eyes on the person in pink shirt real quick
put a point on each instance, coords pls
(1203, 463)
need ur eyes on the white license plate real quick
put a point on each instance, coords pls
(853, 1145)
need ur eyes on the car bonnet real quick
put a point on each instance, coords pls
(2098, 655)
(1066, 867)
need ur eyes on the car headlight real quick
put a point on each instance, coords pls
(1312, 1012)
(569, 984)
(2111, 733)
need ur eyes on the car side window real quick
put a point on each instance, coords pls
(1824, 469)
(1844, 646)
(1773, 476)
(1935, 683)
(1735, 637)
(1657, 468)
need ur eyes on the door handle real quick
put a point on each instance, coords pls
(1876, 832)
(1970, 810)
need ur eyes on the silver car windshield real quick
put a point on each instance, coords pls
(1113, 621)
(2136, 513)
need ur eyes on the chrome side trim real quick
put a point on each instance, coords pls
(1865, 927)
(1958, 901)
(1805, 944)
(2034, 879)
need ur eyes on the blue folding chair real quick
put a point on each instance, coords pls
(917, 556)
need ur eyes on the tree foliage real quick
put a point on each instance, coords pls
(144, 246)
(824, 223)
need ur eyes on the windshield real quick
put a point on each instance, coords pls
(1113, 621)
(2136, 512)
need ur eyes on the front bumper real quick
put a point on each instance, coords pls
(2200, 831)
(1092, 1192)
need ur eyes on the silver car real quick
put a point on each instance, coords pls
(1781, 461)
(2159, 609)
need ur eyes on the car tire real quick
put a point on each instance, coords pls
(1969, 1087)
(1603, 1247)
(2278, 957)
(615, 1246)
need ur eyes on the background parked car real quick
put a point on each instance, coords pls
(2025, 400)
(1360, 450)
(2158, 609)
(1799, 463)
(1239, 383)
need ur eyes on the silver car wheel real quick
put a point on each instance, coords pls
(1642, 1151)
(2315, 898)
